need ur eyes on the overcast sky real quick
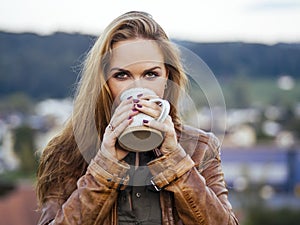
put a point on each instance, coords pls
(265, 21)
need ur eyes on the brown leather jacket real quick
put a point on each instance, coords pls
(191, 181)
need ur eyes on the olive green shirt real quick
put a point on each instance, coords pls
(139, 202)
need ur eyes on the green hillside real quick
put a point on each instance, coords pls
(48, 66)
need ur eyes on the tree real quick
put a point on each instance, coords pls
(25, 149)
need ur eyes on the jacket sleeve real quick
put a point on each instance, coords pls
(94, 197)
(198, 186)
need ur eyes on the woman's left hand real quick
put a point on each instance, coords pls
(167, 127)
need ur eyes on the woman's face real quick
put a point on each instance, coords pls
(137, 63)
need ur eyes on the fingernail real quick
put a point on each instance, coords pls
(129, 118)
(136, 100)
(129, 97)
(145, 121)
(139, 105)
(134, 110)
(139, 95)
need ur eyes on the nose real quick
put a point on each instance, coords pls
(137, 82)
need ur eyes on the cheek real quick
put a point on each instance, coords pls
(160, 91)
(115, 88)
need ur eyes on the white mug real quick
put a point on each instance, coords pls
(137, 137)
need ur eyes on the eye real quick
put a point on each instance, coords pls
(151, 74)
(121, 75)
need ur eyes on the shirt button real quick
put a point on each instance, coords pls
(138, 195)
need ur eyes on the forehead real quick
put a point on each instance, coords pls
(135, 51)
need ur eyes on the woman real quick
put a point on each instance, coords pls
(85, 177)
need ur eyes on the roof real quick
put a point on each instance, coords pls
(18, 207)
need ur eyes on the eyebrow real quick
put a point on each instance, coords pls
(118, 69)
(123, 70)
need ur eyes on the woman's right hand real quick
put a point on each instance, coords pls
(122, 117)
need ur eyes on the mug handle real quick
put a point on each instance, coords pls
(165, 105)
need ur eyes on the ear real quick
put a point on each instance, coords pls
(167, 77)
(167, 72)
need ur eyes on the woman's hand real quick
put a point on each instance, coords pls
(121, 118)
(167, 127)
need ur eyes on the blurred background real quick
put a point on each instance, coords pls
(252, 47)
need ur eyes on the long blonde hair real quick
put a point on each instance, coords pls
(67, 155)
